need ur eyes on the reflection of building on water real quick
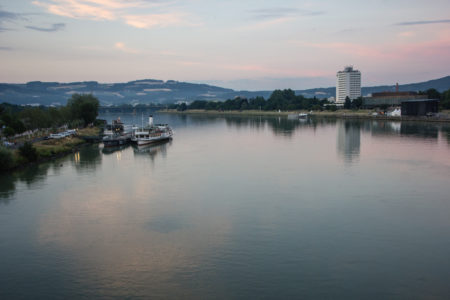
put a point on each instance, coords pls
(349, 139)
(88, 157)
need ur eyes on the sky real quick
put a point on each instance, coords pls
(244, 45)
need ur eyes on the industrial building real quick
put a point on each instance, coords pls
(420, 107)
(390, 98)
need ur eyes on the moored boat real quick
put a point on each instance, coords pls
(152, 133)
(117, 134)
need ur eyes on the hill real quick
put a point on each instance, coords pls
(140, 91)
(164, 92)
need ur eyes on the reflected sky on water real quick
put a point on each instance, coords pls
(236, 207)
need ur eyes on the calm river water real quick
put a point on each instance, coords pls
(236, 208)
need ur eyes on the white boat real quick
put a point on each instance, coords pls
(152, 133)
(56, 136)
(302, 115)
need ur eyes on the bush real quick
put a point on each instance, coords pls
(332, 107)
(6, 159)
(28, 151)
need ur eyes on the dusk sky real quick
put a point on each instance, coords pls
(253, 45)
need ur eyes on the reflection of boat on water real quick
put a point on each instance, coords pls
(117, 134)
(112, 149)
(152, 148)
(152, 133)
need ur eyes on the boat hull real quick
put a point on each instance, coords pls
(141, 142)
(116, 142)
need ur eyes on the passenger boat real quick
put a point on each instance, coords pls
(152, 133)
(117, 134)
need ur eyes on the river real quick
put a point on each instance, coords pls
(236, 208)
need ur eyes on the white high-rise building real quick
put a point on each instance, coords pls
(348, 84)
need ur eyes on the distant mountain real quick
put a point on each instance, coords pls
(140, 91)
(164, 92)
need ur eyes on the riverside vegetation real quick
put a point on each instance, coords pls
(287, 100)
(28, 126)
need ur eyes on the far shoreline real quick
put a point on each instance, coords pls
(342, 114)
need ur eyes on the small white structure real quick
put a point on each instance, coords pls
(395, 113)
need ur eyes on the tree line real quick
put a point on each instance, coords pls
(444, 97)
(287, 100)
(80, 110)
(278, 100)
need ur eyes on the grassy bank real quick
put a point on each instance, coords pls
(46, 149)
(56, 147)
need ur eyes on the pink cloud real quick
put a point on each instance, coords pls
(154, 20)
(77, 10)
(434, 50)
(347, 48)
(114, 10)
(122, 47)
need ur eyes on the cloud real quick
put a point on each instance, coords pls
(154, 20)
(78, 9)
(281, 12)
(112, 10)
(347, 48)
(437, 49)
(425, 22)
(52, 28)
(406, 34)
(122, 47)
(2, 48)
(8, 17)
(268, 17)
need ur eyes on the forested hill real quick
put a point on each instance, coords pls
(165, 92)
(140, 91)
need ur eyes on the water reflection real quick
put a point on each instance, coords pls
(284, 126)
(111, 150)
(235, 211)
(153, 150)
(420, 130)
(87, 158)
(7, 187)
(446, 132)
(31, 176)
(349, 139)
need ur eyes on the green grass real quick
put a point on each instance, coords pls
(48, 148)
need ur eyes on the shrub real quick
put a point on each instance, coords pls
(28, 151)
(6, 159)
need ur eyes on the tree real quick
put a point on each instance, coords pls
(182, 107)
(332, 107)
(445, 99)
(84, 107)
(357, 103)
(433, 94)
(348, 103)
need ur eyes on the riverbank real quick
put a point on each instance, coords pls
(51, 149)
(444, 116)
